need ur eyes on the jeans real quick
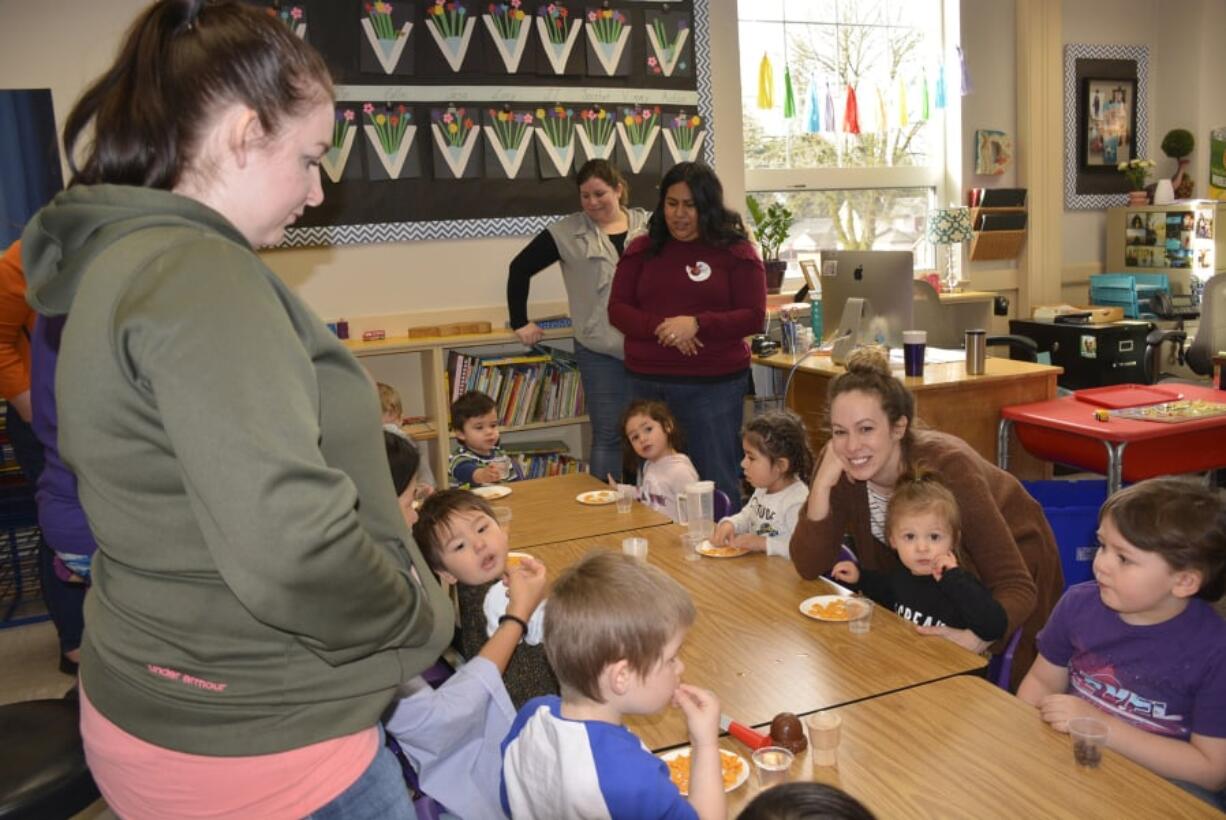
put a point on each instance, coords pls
(380, 792)
(65, 602)
(710, 415)
(606, 392)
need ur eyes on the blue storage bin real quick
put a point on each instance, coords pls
(1072, 508)
(1130, 291)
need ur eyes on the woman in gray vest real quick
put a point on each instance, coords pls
(588, 245)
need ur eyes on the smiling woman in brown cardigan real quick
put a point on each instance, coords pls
(1004, 532)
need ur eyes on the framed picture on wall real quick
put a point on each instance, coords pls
(1107, 125)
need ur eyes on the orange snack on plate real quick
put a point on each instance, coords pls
(730, 769)
(833, 611)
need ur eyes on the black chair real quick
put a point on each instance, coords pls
(42, 762)
(1022, 348)
(1209, 339)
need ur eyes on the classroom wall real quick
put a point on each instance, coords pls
(43, 46)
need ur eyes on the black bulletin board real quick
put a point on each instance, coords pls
(449, 128)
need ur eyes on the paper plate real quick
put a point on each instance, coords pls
(492, 491)
(736, 768)
(709, 550)
(812, 607)
(597, 498)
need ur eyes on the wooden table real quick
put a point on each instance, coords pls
(962, 748)
(757, 652)
(946, 399)
(544, 510)
(1065, 430)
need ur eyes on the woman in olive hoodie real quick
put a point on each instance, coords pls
(257, 597)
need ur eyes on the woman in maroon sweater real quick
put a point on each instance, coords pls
(686, 296)
(1005, 535)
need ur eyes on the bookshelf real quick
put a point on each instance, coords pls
(417, 368)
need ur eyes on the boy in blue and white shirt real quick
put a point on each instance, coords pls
(613, 632)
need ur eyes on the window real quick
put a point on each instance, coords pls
(869, 190)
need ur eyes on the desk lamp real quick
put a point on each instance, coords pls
(949, 226)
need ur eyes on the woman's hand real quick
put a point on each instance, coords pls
(530, 333)
(829, 469)
(677, 330)
(962, 637)
(846, 571)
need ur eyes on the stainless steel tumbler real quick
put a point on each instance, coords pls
(976, 351)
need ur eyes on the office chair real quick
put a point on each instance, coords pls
(1022, 348)
(1210, 335)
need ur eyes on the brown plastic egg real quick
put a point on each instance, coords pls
(787, 732)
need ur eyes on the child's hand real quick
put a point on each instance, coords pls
(526, 587)
(846, 571)
(749, 541)
(723, 534)
(942, 563)
(486, 475)
(701, 709)
(1058, 710)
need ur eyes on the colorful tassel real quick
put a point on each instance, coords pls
(815, 109)
(789, 97)
(830, 123)
(851, 114)
(924, 99)
(967, 88)
(940, 95)
(766, 84)
(902, 103)
(882, 123)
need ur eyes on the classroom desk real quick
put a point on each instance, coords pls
(544, 510)
(962, 748)
(946, 399)
(1066, 431)
(757, 652)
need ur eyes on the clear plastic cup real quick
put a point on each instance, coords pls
(824, 728)
(1089, 736)
(860, 611)
(690, 542)
(503, 516)
(625, 497)
(636, 547)
(772, 764)
(502, 465)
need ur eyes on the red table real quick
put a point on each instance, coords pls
(1066, 431)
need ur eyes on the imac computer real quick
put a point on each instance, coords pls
(881, 280)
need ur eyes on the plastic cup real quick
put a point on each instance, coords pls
(503, 466)
(824, 728)
(690, 542)
(503, 516)
(635, 547)
(861, 620)
(772, 764)
(1089, 736)
(625, 497)
(913, 343)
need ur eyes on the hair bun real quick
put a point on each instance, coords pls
(181, 15)
(869, 359)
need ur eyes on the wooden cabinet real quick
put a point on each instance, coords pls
(417, 368)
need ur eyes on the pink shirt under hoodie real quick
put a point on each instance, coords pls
(724, 288)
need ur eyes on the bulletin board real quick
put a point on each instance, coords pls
(468, 119)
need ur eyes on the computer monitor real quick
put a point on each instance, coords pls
(882, 279)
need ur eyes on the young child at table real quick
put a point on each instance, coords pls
(653, 440)
(464, 545)
(776, 456)
(805, 801)
(393, 415)
(613, 633)
(479, 459)
(933, 586)
(1140, 647)
(453, 734)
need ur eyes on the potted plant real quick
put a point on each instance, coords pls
(1136, 171)
(771, 226)
(1178, 144)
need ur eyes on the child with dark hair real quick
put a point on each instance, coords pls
(934, 586)
(461, 540)
(805, 801)
(479, 459)
(653, 441)
(777, 455)
(1140, 647)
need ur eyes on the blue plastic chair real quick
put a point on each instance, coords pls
(721, 504)
(1000, 668)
